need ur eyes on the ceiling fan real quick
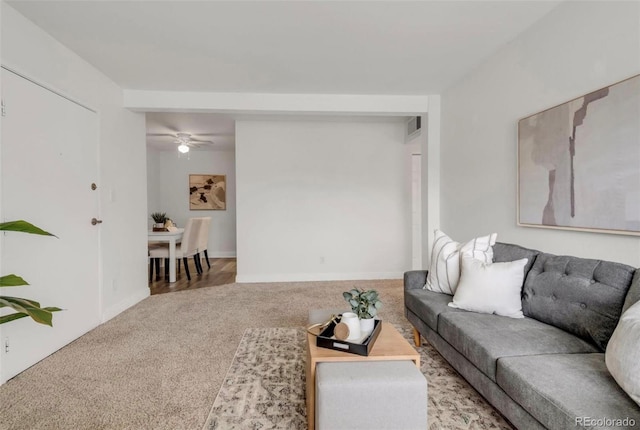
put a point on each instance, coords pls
(185, 141)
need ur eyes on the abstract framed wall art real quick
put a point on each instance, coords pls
(207, 192)
(579, 163)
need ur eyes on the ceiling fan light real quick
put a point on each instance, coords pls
(183, 148)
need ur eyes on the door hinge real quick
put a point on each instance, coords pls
(4, 109)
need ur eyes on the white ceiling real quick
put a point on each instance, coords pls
(324, 47)
(328, 47)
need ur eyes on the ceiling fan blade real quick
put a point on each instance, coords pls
(213, 134)
(200, 144)
(161, 135)
(201, 141)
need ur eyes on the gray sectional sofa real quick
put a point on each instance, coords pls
(546, 370)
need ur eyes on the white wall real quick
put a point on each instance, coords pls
(122, 181)
(579, 47)
(168, 191)
(320, 200)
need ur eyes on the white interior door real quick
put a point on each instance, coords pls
(49, 161)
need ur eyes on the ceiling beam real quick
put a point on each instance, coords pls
(254, 103)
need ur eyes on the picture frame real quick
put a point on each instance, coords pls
(579, 163)
(207, 192)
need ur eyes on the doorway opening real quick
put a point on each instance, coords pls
(183, 148)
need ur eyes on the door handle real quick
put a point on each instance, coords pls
(95, 221)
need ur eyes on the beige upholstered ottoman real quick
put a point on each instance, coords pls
(370, 395)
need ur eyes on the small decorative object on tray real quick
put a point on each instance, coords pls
(333, 336)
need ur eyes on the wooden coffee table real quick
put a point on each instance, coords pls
(390, 345)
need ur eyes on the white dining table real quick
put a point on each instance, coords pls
(172, 237)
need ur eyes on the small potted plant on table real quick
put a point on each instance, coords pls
(365, 304)
(159, 218)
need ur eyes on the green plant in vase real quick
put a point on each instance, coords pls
(23, 307)
(159, 218)
(365, 304)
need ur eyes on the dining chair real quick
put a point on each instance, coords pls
(203, 239)
(153, 261)
(187, 248)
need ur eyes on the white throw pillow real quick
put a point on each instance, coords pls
(490, 288)
(623, 353)
(444, 270)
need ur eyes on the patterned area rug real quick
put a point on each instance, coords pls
(264, 388)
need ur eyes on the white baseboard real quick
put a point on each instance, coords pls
(125, 304)
(305, 277)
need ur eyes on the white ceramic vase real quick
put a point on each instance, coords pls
(351, 320)
(366, 325)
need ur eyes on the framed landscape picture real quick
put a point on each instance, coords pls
(207, 192)
(579, 163)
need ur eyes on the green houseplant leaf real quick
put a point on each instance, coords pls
(12, 281)
(24, 227)
(44, 317)
(30, 308)
(23, 307)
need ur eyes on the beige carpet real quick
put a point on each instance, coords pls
(160, 364)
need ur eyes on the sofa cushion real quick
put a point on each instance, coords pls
(427, 305)
(581, 296)
(505, 252)
(560, 391)
(484, 338)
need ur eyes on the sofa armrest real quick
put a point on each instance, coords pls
(415, 279)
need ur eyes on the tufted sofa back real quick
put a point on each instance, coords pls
(584, 297)
(504, 252)
(581, 296)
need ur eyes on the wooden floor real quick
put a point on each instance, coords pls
(222, 271)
